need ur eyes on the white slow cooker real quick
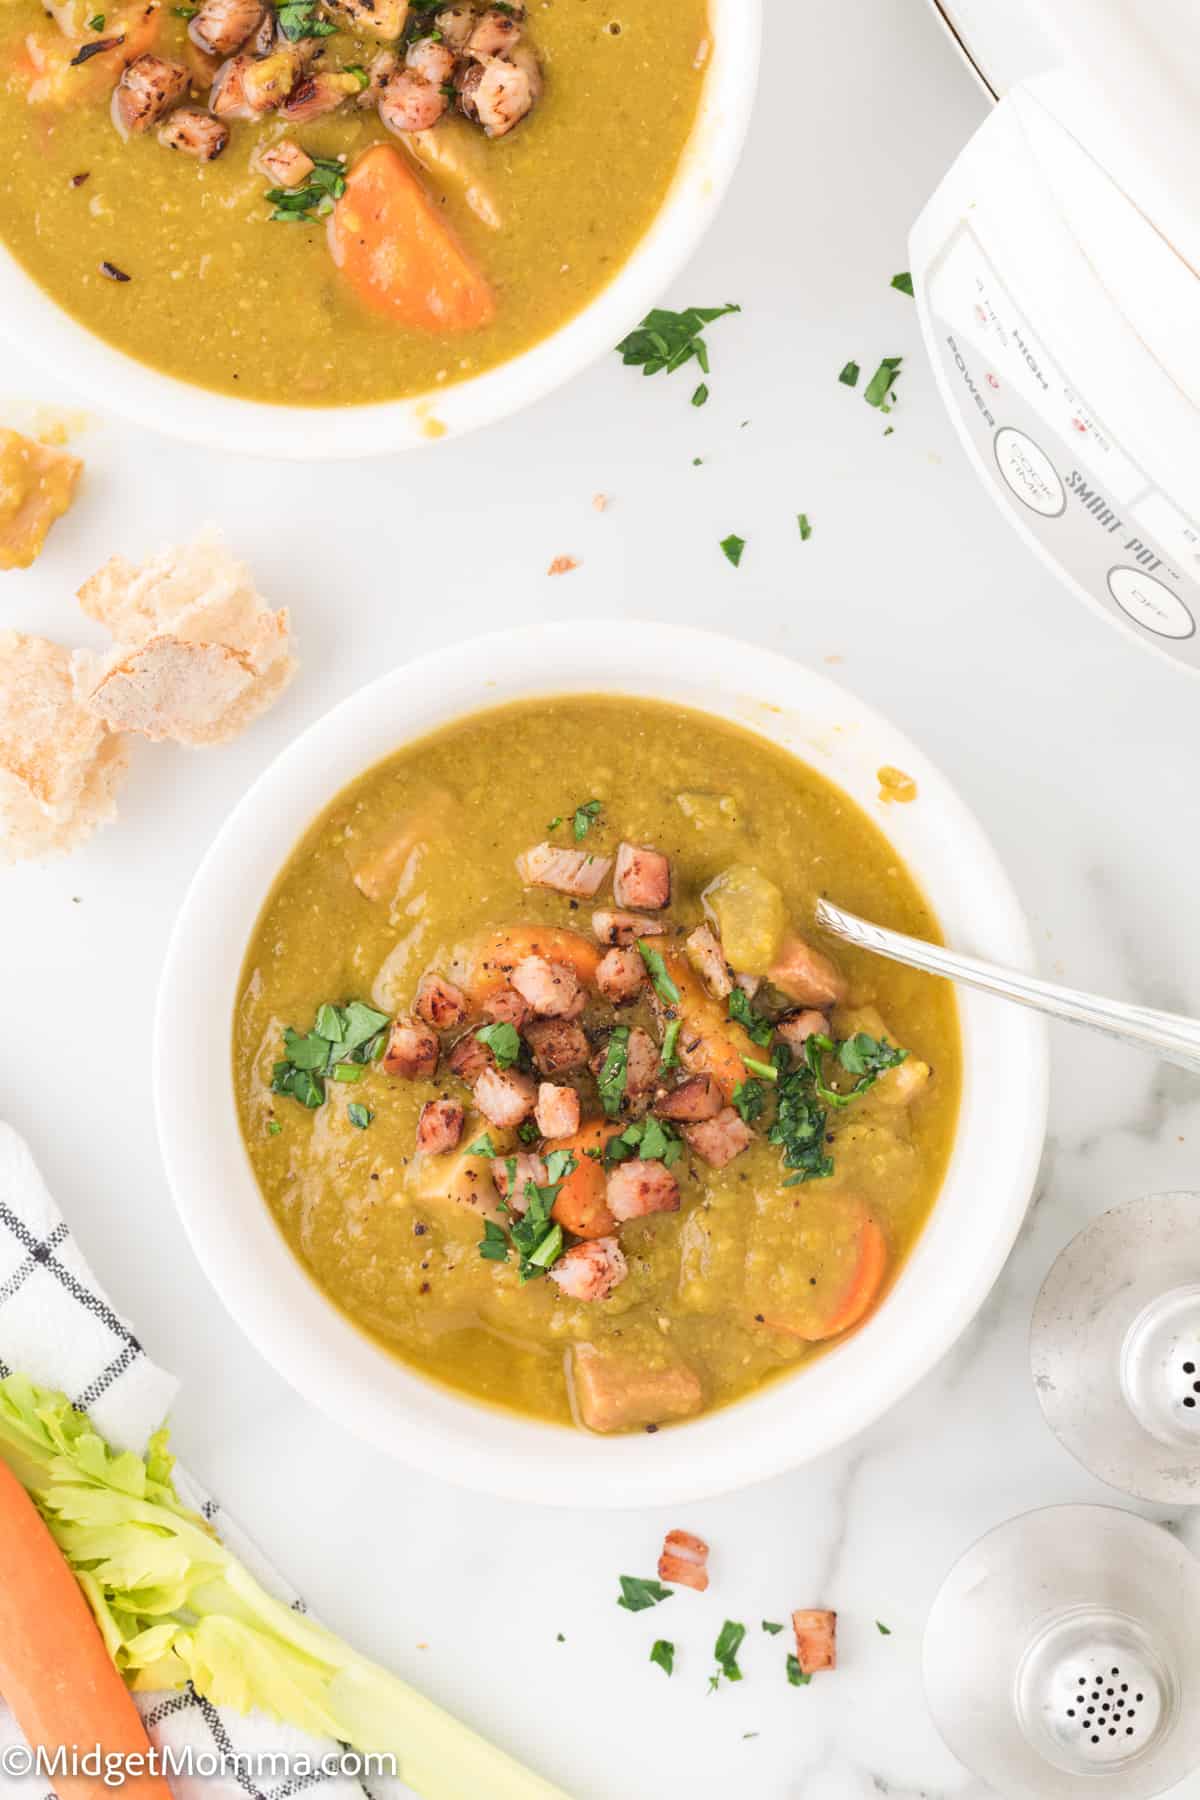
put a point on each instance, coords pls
(1057, 274)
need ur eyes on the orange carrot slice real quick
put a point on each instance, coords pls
(710, 1043)
(55, 1672)
(495, 956)
(581, 1206)
(399, 255)
(832, 1273)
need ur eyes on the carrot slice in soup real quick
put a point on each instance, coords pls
(397, 252)
(55, 1672)
(581, 1206)
(495, 956)
(816, 1262)
(710, 1043)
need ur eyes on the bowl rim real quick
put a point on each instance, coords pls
(37, 327)
(326, 1358)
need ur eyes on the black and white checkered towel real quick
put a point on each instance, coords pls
(57, 1327)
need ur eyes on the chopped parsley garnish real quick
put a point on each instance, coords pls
(615, 1071)
(774, 1626)
(637, 1594)
(795, 1673)
(700, 394)
(359, 73)
(300, 19)
(669, 1058)
(273, 1128)
(729, 1642)
(650, 1139)
(903, 281)
(799, 1125)
(663, 1654)
(96, 22)
(555, 822)
(882, 1629)
(806, 529)
(483, 1146)
(503, 1040)
(535, 1236)
(849, 375)
(753, 1024)
(359, 1115)
(528, 1132)
(585, 817)
(656, 968)
(764, 1071)
(667, 340)
(878, 390)
(733, 546)
(185, 12)
(865, 1057)
(749, 1097)
(302, 205)
(343, 1040)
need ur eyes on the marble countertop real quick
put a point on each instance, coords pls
(1073, 748)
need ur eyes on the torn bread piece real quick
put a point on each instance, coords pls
(37, 485)
(198, 653)
(59, 764)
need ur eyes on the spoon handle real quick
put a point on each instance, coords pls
(1170, 1036)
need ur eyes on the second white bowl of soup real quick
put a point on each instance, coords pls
(558, 1155)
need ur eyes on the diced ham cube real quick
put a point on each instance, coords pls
(439, 1002)
(806, 975)
(551, 989)
(558, 1045)
(694, 1100)
(720, 1139)
(505, 1097)
(749, 984)
(439, 1127)
(707, 958)
(641, 1066)
(615, 1391)
(148, 88)
(590, 1271)
(620, 975)
(575, 872)
(816, 1640)
(641, 878)
(557, 1110)
(412, 1050)
(637, 1188)
(505, 1007)
(624, 928)
(288, 166)
(684, 1561)
(469, 1058)
(526, 1168)
(796, 1029)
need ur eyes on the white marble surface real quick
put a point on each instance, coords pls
(1076, 750)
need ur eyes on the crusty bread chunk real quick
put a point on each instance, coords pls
(59, 763)
(198, 653)
(37, 485)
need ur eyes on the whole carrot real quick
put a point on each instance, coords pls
(55, 1672)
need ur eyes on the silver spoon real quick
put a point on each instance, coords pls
(1171, 1037)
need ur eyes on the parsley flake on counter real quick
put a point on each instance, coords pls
(663, 1654)
(879, 390)
(359, 1115)
(666, 340)
(806, 529)
(656, 968)
(729, 1642)
(903, 282)
(753, 1024)
(503, 1040)
(774, 1626)
(585, 817)
(637, 1593)
(614, 1071)
(483, 1146)
(304, 205)
(849, 375)
(700, 394)
(882, 1629)
(733, 546)
(795, 1673)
